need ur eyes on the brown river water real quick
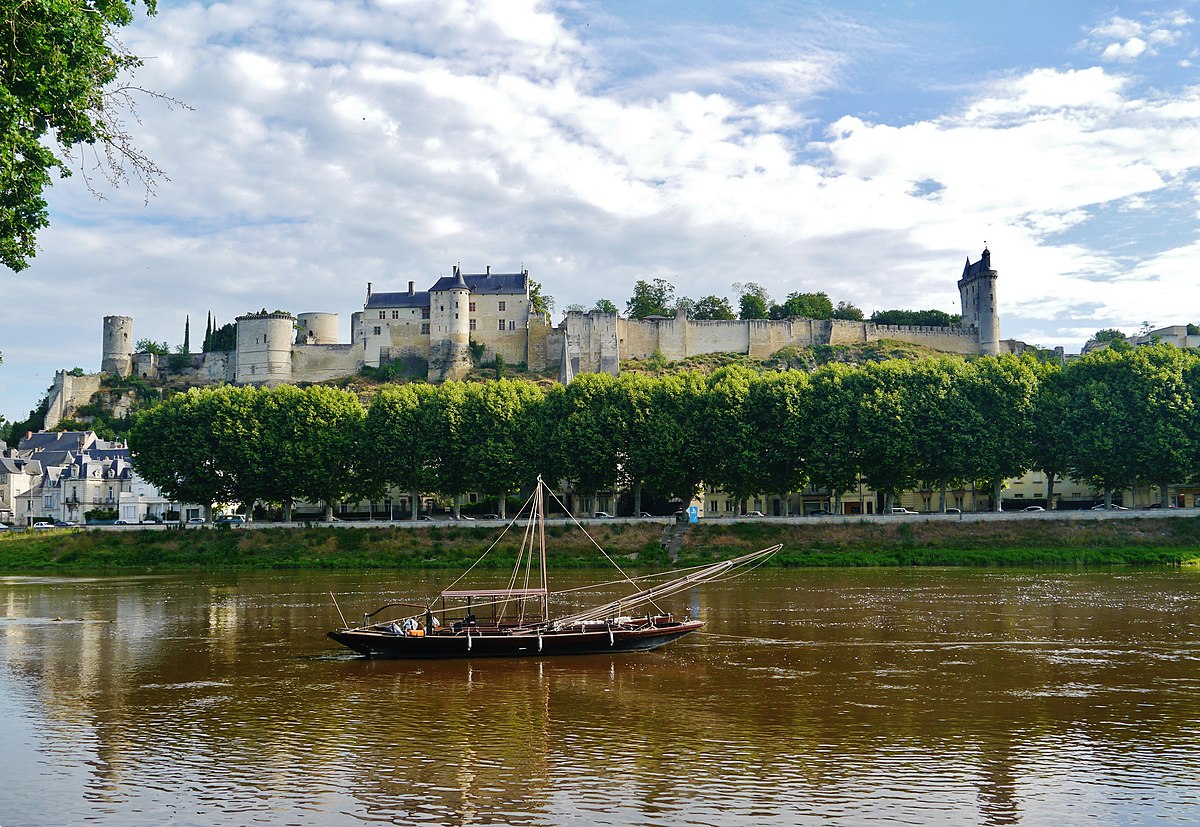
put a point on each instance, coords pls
(832, 697)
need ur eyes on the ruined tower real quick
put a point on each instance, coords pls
(116, 357)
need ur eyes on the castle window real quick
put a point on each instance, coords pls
(424, 312)
(425, 327)
(501, 323)
(383, 314)
(395, 314)
(512, 325)
(378, 330)
(501, 308)
(472, 324)
(471, 307)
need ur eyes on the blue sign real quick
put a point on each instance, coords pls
(693, 513)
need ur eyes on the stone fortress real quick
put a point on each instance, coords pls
(434, 332)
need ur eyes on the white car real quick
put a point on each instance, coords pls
(899, 510)
(754, 514)
(601, 515)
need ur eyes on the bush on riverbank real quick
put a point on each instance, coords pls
(1041, 542)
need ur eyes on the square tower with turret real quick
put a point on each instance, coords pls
(977, 292)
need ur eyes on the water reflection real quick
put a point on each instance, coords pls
(899, 697)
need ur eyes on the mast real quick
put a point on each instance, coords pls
(541, 506)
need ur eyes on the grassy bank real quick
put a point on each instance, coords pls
(1041, 542)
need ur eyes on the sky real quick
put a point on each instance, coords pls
(864, 148)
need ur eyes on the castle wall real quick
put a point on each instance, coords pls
(538, 354)
(320, 363)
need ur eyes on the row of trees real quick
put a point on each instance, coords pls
(1112, 418)
(656, 297)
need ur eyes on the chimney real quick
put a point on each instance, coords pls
(368, 290)
(410, 288)
(489, 269)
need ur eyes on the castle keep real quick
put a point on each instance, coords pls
(433, 333)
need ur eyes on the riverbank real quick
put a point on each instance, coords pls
(1042, 542)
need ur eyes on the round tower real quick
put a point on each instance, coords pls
(264, 348)
(449, 345)
(317, 329)
(117, 354)
(977, 292)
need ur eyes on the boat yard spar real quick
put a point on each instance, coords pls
(520, 624)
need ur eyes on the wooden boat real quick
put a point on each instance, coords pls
(516, 620)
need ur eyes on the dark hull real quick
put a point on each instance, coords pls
(373, 643)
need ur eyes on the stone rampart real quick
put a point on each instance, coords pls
(68, 394)
(320, 363)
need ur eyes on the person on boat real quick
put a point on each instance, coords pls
(410, 625)
(431, 622)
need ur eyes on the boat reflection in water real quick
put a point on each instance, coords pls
(518, 623)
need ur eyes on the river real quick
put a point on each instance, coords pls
(843, 697)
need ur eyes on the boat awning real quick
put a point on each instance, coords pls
(496, 593)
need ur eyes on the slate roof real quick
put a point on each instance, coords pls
(57, 441)
(979, 268)
(500, 283)
(405, 299)
(515, 284)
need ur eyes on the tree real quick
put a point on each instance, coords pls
(847, 311)
(1002, 389)
(1050, 436)
(1108, 334)
(151, 346)
(753, 301)
(829, 442)
(586, 433)
(751, 306)
(947, 425)
(916, 318)
(605, 306)
(538, 302)
(735, 439)
(804, 305)
(883, 427)
(491, 414)
(60, 65)
(712, 308)
(397, 445)
(173, 447)
(187, 335)
(324, 441)
(653, 298)
(777, 409)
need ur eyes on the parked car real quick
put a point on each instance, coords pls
(62, 524)
(1033, 508)
(754, 514)
(1159, 505)
(3, 527)
(196, 521)
(491, 517)
(238, 519)
(820, 512)
(953, 511)
(601, 515)
(1114, 507)
(900, 510)
(645, 514)
(463, 517)
(424, 518)
(116, 522)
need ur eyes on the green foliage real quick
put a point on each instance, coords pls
(75, 372)
(97, 515)
(605, 306)
(651, 298)
(538, 302)
(221, 339)
(1108, 334)
(712, 308)
(150, 346)
(1192, 330)
(751, 306)
(59, 87)
(804, 305)
(848, 312)
(916, 318)
(477, 349)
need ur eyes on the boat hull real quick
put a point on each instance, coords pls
(372, 643)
